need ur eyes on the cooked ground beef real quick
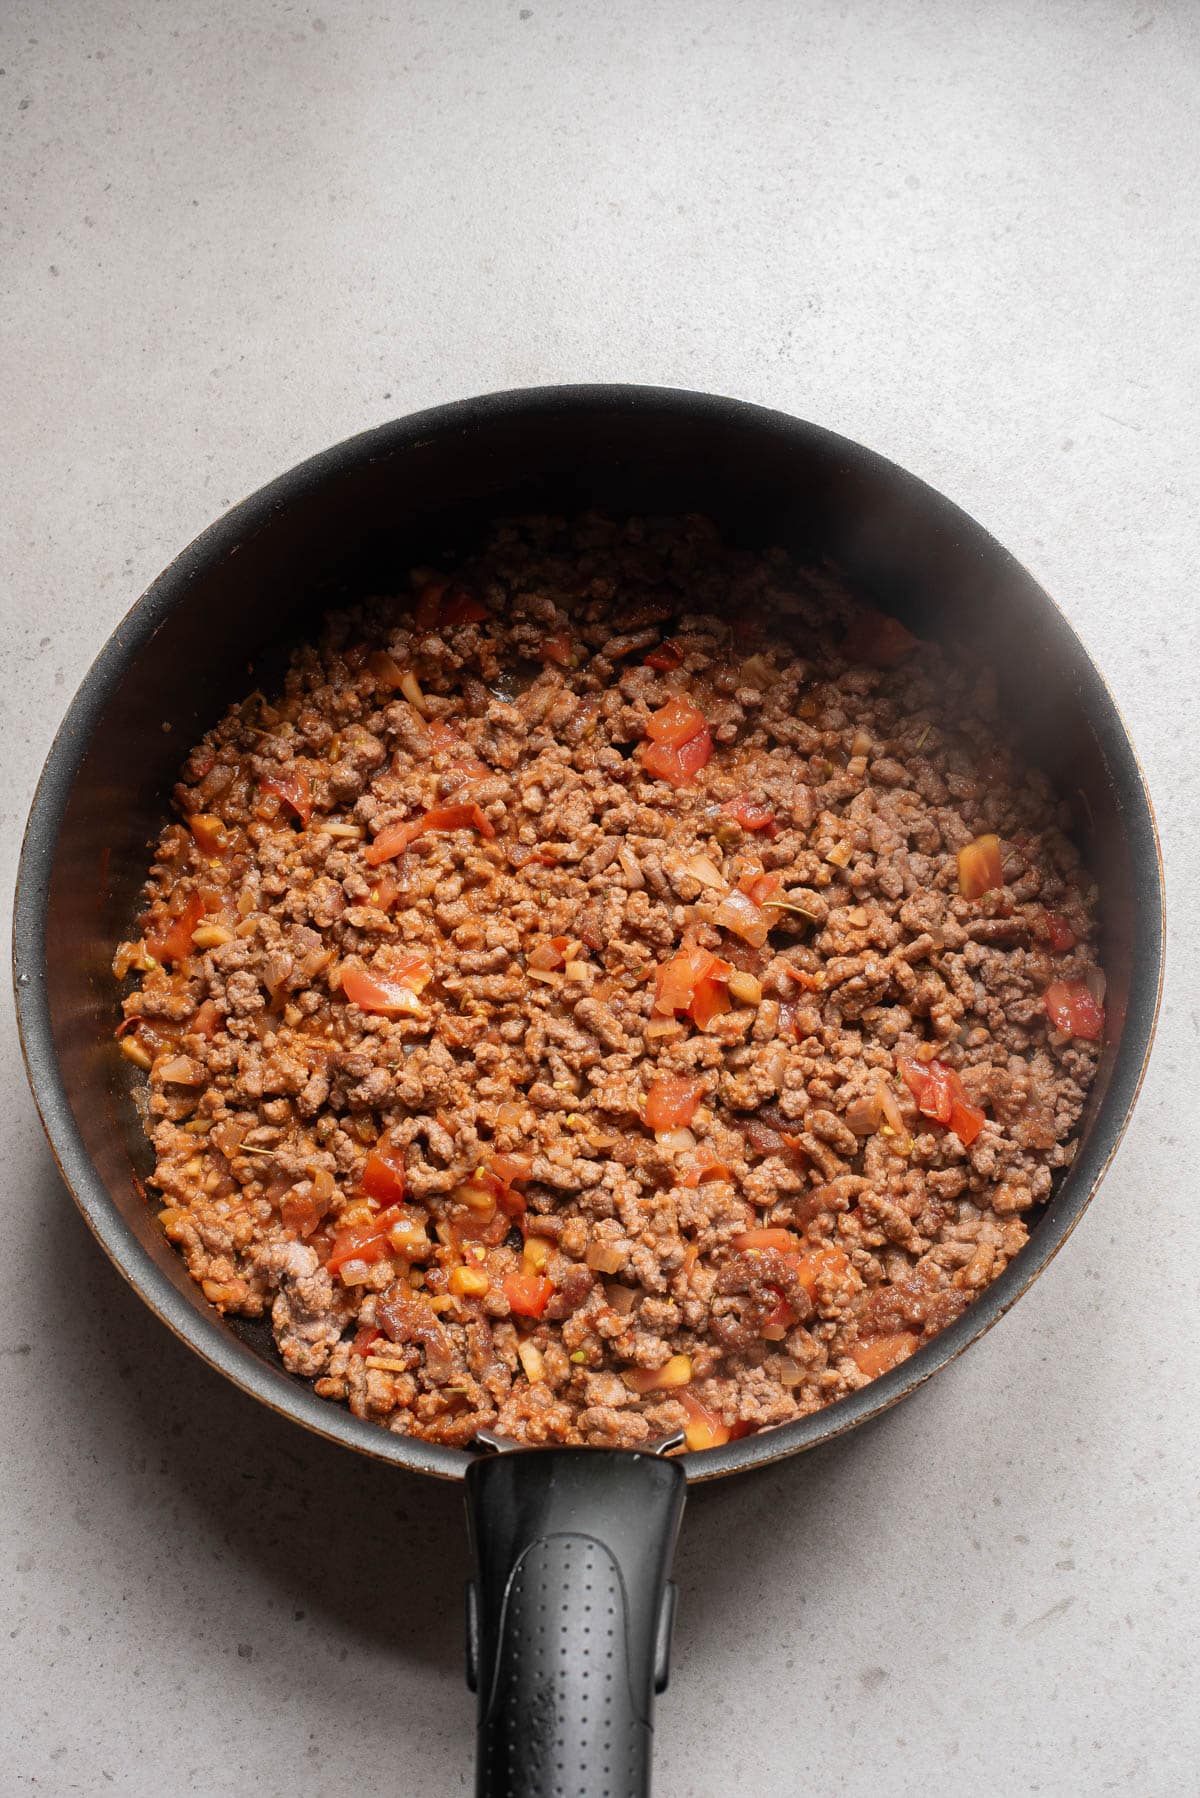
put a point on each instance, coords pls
(563, 1010)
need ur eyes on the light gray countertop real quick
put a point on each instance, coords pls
(964, 233)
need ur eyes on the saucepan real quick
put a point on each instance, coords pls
(569, 1612)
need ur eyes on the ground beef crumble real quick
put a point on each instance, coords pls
(399, 1101)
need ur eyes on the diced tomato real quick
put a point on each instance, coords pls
(812, 1266)
(693, 981)
(883, 1353)
(528, 1294)
(940, 1095)
(710, 1000)
(362, 1242)
(211, 835)
(783, 1240)
(512, 1167)
(980, 869)
(446, 818)
(678, 742)
(1059, 934)
(391, 994)
(1071, 1007)
(556, 649)
(463, 608)
(438, 603)
(547, 956)
(301, 1213)
(364, 1336)
(294, 790)
(382, 1177)
(709, 1170)
(175, 942)
(671, 1102)
(703, 1430)
(666, 657)
(429, 604)
(877, 639)
(742, 910)
(207, 1020)
(384, 892)
(676, 722)
(751, 814)
(679, 766)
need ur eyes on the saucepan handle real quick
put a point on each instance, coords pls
(569, 1617)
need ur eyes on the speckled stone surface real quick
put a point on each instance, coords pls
(965, 233)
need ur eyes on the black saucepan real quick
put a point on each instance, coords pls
(570, 1610)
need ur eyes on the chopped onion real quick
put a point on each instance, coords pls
(180, 1070)
(1096, 983)
(531, 1360)
(629, 863)
(861, 744)
(891, 1109)
(862, 1115)
(356, 1273)
(604, 1257)
(705, 871)
(745, 988)
(621, 1298)
(756, 671)
(790, 1372)
(675, 1141)
(410, 686)
(840, 854)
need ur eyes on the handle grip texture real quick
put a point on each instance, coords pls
(569, 1618)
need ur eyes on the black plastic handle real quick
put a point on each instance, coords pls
(569, 1617)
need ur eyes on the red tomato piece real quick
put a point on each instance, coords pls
(1059, 934)
(783, 1240)
(693, 981)
(882, 1353)
(364, 1336)
(667, 657)
(980, 869)
(429, 604)
(463, 608)
(207, 1020)
(704, 1430)
(1071, 1007)
(940, 1095)
(751, 814)
(361, 1242)
(528, 1294)
(389, 994)
(301, 1213)
(710, 1000)
(877, 639)
(556, 649)
(294, 790)
(175, 942)
(212, 837)
(671, 1102)
(676, 722)
(711, 1170)
(446, 818)
(382, 1177)
(511, 1168)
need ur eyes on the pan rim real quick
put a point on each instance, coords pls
(200, 1329)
